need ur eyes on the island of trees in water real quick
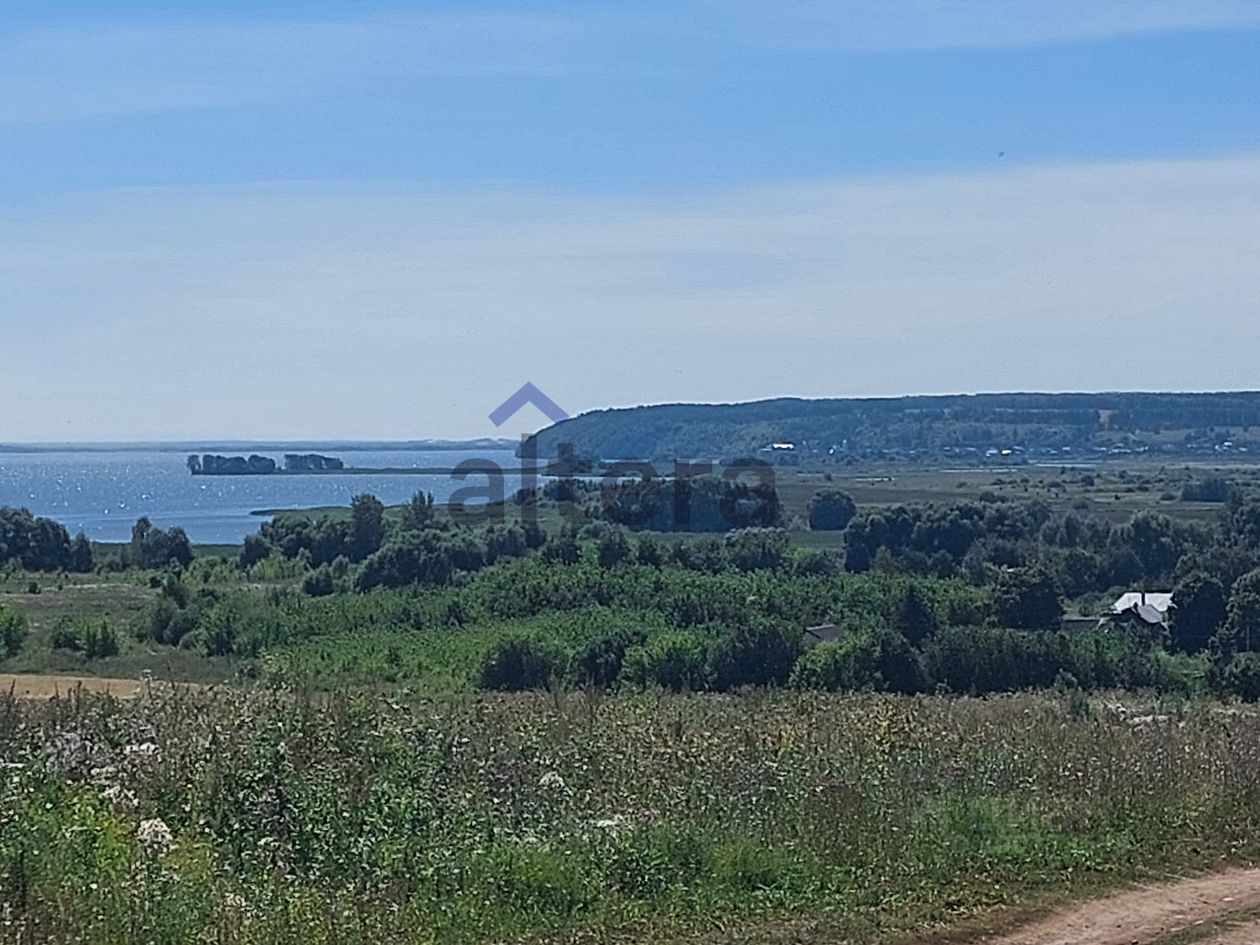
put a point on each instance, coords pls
(210, 464)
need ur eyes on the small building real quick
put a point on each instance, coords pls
(1144, 608)
(822, 633)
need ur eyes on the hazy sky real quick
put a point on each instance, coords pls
(369, 220)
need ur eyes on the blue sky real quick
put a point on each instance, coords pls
(378, 220)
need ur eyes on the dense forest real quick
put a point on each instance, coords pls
(945, 425)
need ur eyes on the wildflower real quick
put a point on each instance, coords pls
(613, 824)
(141, 754)
(552, 780)
(155, 837)
(119, 798)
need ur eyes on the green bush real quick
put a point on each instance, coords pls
(1242, 677)
(599, 663)
(163, 621)
(760, 654)
(879, 659)
(676, 660)
(13, 628)
(521, 661)
(95, 639)
(831, 510)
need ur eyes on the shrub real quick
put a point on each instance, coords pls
(163, 621)
(836, 666)
(675, 660)
(762, 654)
(877, 659)
(650, 552)
(600, 662)
(562, 549)
(1242, 677)
(13, 629)
(95, 639)
(519, 662)
(613, 549)
(756, 549)
(1027, 599)
(1210, 489)
(989, 659)
(831, 510)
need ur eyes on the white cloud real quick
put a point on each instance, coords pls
(880, 25)
(322, 310)
(78, 70)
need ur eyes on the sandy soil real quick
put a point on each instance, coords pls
(1192, 910)
(34, 686)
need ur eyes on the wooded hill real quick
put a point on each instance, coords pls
(954, 425)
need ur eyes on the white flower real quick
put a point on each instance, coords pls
(142, 754)
(615, 822)
(155, 837)
(119, 798)
(552, 780)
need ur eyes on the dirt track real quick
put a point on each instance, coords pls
(1221, 909)
(35, 686)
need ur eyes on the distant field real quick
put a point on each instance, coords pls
(116, 599)
(40, 686)
(1113, 491)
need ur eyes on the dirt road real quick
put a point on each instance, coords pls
(36, 686)
(1220, 909)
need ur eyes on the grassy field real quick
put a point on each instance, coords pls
(253, 816)
(116, 599)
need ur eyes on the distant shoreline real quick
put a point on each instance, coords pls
(266, 446)
(384, 471)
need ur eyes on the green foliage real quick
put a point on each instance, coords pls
(914, 617)
(1241, 632)
(95, 639)
(549, 816)
(13, 631)
(1199, 613)
(164, 621)
(756, 549)
(40, 544)
(328, 579)
(257, 548)
(1027, 599)
(419, 512)
(1242, 677)
(698, 504)
(878, 660)
(562, 548)
(521, 662)
(831, 510)
(676, 660)
(755, 654)
(1208, 489)
(612, 548)
(599, 663)
(367, 526)
(151, 547)
(992, 659)
(411, 558)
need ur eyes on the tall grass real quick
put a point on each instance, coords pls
(358, 819)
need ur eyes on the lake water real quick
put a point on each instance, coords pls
(103, 493)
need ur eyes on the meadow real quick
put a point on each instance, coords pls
(256, 815)
(414, 729)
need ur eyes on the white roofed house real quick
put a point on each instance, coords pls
(1151, 609)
